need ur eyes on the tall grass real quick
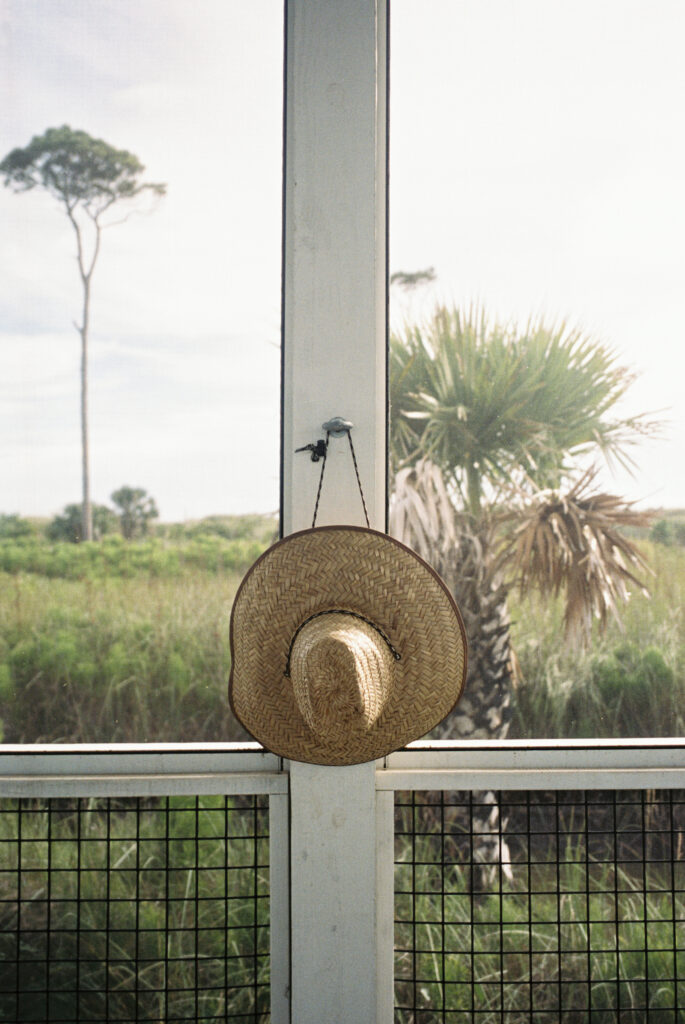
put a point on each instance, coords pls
(630, 682)
(129, 642)
(129, 909)
(590, 942)
(126, 660)
(122, 641)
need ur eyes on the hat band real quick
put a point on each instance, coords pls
(339, 611)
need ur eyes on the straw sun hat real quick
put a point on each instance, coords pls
(345, 646)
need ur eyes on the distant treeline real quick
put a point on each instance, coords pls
(215, 544)
(669, 529)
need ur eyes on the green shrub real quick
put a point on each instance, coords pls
(12, 527)
(260, 528)
(630, 684)
(622, 691)
(6, 683)
(668, 532)
(68, 526)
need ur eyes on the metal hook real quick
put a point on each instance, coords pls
(338, 426)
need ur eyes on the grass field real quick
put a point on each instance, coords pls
(157, 909)
(119, 642)
(578, 940)
(129, 642)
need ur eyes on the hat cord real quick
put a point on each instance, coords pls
(356, 470)
(338, 611)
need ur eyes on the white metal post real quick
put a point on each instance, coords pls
(279, 908)
(334, 255)
(334, 364)
(332, 895)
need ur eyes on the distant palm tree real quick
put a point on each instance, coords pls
(491, 433)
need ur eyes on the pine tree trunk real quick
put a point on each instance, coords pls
(87, 511)
(86, 272)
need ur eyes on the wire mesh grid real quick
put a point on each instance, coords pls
(545, 907)
(127, 910)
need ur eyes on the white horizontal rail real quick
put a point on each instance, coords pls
(139, 770)
(239, 768)
(536, 764)
(532, 780)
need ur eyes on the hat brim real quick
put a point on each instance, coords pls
(372, 575)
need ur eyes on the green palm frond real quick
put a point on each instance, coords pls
(574, 543)
(491, 405)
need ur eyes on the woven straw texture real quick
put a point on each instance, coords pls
(369, 574)
(342, 674)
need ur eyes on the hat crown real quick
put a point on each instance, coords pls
(342, 673)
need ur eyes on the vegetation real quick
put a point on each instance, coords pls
(409, 280)
(87, 177)
(135, 509)
(69, 524)
(592, 935)
(120, 641)
(670, 529)
(129, 641)
(491, 427)
(114, 558)
(167, 917)
(630, 682)
(12, 527)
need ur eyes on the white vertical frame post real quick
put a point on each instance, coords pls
(334, 276)
(334, 364)
(279, 908)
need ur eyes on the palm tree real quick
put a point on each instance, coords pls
(489, 427)
(492, 430)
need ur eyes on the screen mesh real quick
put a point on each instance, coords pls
(123, 910)
(545, 907)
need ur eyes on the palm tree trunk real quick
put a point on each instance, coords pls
(471, 573)
(463, 550)
(484, 711)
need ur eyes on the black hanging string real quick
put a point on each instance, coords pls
(323, 469)
(356, 470)
(359, 483)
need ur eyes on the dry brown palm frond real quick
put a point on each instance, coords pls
(421, 513)
(573, 542)
(467, 553)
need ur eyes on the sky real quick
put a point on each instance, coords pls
(186, 297)
(537, 163)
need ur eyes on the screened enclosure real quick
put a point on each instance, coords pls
(472, 878)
